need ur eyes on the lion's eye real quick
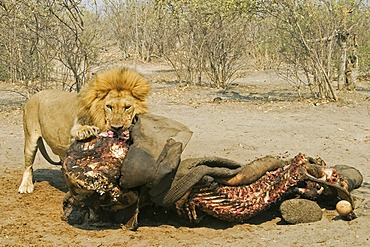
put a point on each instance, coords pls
(109, 107)
(127, 107)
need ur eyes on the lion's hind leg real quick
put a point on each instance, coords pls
(32, 133)
(30, 149)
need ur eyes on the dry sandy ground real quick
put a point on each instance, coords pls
(260, 117)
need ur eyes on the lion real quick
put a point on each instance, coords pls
(111, 100)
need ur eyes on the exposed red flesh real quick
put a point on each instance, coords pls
(238, 203)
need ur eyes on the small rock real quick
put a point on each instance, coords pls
(344, 208)
(217, 100)
(295, 211)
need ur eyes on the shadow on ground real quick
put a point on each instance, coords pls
(273, 95)
(53, 176)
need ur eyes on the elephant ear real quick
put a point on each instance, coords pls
(156, 141)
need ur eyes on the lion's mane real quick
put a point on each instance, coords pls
(91, 97)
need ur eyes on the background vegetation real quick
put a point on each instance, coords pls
(320, 44)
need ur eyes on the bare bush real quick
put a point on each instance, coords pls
(37, 38)
(76, 45)
(134, 25)
(24, 55)
(315, 39)
(207, 39)
(323, 45)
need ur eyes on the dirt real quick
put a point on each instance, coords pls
(259, 115)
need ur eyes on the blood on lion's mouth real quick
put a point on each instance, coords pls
(121, 133)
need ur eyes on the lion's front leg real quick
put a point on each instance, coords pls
(82, 132)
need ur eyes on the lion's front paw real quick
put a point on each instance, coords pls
(85, 131)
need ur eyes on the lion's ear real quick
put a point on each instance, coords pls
(140, 107)
(141, 89)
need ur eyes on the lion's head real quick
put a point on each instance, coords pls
(113, 98)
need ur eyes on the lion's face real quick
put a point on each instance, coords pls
(119, 109)
(112, 99)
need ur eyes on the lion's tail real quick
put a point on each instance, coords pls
(45, 154)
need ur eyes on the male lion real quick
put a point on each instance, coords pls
(110, 101)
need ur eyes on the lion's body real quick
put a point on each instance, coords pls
(50, 114)
(110, 101)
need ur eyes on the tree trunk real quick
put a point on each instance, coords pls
(352, 66)
(342, 41)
